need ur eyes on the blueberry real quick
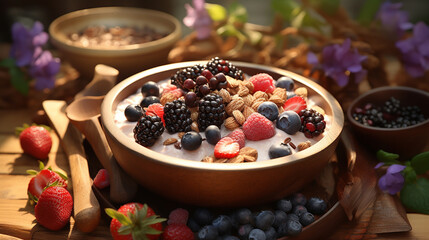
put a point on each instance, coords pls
(284, 204)
(290, 94)
(243, 216)
(150, 89)
(257, 234)
(279, 150)
(212, 134)
(208, 232)
(223, 224)
(193, 225)
(316, 206)
(191, 140)
(298, 199)
(230, 237)
(244, 230)
(133, 113)
(299, 210)
(293, 228)
(285, 82)
(280, 217)
(269, 110)
(271, 234)
(264, 220)
(292, 216)
(148, 101)
(306, 219)
(202, 216)
(289, 122)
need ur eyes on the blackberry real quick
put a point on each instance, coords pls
(177, 117)
(211, 111)
(182, 75)
(312, 123)
(217, 65)
(147, 130)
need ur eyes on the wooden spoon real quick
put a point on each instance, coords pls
(83, 113)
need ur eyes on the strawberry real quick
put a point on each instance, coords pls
(257, 127)
(54, 208)
(42, 179)
(262, 82)
(156, 109)
(295, 104)
(226, 148)
(101, 180)
(35, 140)
(134, 221)
(178, 216)
(238, 135)
(177, 232)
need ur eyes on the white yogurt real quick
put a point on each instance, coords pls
(206, 149)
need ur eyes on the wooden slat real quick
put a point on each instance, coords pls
(9, 143)
(14, 187)
(10, 119)
(15, 164)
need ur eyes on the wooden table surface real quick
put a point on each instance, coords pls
(17, 219)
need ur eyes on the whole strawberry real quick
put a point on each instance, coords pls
(53, 210)
(134, 221)
(35, 140)
(42, 179)
(177, 232)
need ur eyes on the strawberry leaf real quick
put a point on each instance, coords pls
(125, 229)
(61, 175)
(32, 172)
(41, 165)
(420, 162)
(124, 220)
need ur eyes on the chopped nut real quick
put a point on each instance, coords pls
(177, 145)
(277, 100)
(239, 117)
(236, 104)
(248, 100)
(168, 97)
(256, 103)
(287, 140)
(180, 134)
(302, 92)
(208, 159)
(249, 152)
(220, 160)
(280, 92)
(194, 116)
(170, 141)
(231, 123)
(243, 91)
(260, 94)
(249, 85)
(292, 145)
(232, 82)
(236, 159)
(232, 91)
(247, 111)
(304, 145)
(226, 96)
(194, 127)
(248, 158)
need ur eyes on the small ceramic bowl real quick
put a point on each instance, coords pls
(220, 184)
(406, 141)
(128, 59)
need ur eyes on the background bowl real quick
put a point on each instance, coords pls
(217, 184)
(127, 59)
(407, 141)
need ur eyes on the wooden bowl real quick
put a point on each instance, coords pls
(128, 59)
(406, 141)
(218, 184)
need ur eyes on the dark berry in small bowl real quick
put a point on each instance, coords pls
(381, 119)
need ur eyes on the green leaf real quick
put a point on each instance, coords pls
(61, 175)
(253, 36)
(216, 11)
(368, 11)
(124, 220)
(388, 158)
(228, 30)
(19, 80)
(409, 173)
(32, 172)
(416, 196)
(327, 6)
(8, 63)
(285, 8)
(420, 162)
(41, 165)
(125, 229)
(237, 13)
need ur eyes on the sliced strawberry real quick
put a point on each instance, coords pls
(156, 109)
(295, 104)
(101, 180)
(226, 148)
(238, 135)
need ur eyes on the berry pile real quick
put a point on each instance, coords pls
(177, 117)
(287, 217)
(147, 130)
(390, 115)
(312, 123)
(217, 65)
(211, 111)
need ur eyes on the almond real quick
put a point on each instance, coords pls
(260, 94)
(248, 100)
(236, 159)
(194, 126)
(168, 97)
(232, 82)
(208, 159)
(239, 117)
(231, 124)
(170, 141)
(226, 96)
(194, 116)
(243, 91)
(232, 91)
(256, 103)
(249, 151)
(302, 92)
(304, 145)
(277, 100)
(247, 111)
(220, 160)
(236, 104)
(280, 92)
(180, 134)
(249, 85)
(248, 158)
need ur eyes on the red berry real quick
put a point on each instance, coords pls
(53, 210)
(178, 216)
(101, 180)
(295, 104)
(177, 232)
(310, 126)
(257, 127)
(262, 82)
(226, 148)
(238, 135)
(156, 109)
(35, 141)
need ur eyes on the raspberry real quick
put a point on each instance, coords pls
(262, 82)
(170, 88)
(257, 127)
(238, 135)
(156, 109)
(178, 216)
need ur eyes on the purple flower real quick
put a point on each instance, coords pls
(393, 19)
(26, 42)
(198, 19)
(393, 181)
(338, 61)
(415, 50)
(43, 69)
